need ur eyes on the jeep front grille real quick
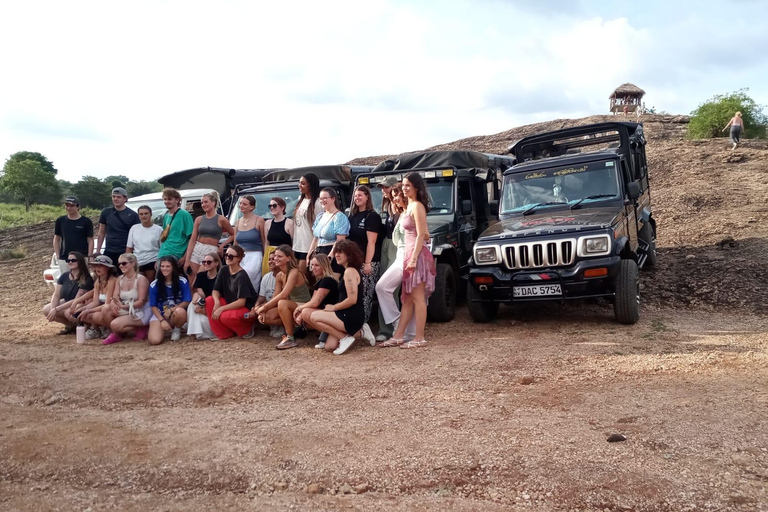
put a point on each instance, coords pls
(555, 253)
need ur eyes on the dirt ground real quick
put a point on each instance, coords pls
(513, 415)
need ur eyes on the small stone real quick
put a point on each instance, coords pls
(52, 400)
(360, 489)
(345, 489)
(741, 460)
(281, 486)
(525, 381)
(690, 256)
(616, 438)
(314, 489)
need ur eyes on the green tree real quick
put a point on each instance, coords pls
(27, 180)
(46, 164)
(709, 119)
(139, 188)
(93, 192)
(117, 181)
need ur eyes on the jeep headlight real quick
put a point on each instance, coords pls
(595, 245)
(486, 255)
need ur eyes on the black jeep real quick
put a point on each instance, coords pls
(575, 222)
(464, 189)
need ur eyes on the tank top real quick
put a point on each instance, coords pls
(300, 293)
(249, 240)
(277, 236)
(131, 295)
(209, 227)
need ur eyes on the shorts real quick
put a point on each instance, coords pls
(201, 250)
(148, 266)
(300, 255)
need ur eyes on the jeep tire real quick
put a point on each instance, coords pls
(626, 304)
(442, 303)
(480, 311)
(646, 234)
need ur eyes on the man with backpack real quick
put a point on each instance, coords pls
(114, 223)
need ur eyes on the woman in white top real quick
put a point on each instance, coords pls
(130, 302)
(144, 242)
(307, 208)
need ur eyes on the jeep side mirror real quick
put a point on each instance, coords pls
(494, 208)
(633, 190)
(466, 207)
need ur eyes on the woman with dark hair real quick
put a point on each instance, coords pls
(279, 230)
(330, 227)
(307, 208)
(207, 234)
(232, 298)
(69, 288)
(144, 242)
(197, 323)
(364, 229)
(345, 320)
(94, 313)
(251, 236)
(129, 309)
(419, 265)
(169, 296)
(325, 291)
(291, 289)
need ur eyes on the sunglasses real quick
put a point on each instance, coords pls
(123, 263)
(208, 262)
(73, 260)
(272, 206)
(230, 256)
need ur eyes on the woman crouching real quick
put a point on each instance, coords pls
(232, 298)
(130, 302)
(169, 297)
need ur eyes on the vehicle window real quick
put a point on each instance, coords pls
(289, 195)
(465, 191)
(441, 193)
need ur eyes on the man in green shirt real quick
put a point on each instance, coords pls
(177, 227)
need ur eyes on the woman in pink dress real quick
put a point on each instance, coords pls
(419, 265)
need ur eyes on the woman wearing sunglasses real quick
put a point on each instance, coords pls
(279, 230)
(207, 234)
(129, 309)
(71, 286)
(197, 318)
(232, 298)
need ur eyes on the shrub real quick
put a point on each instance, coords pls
(709, 119)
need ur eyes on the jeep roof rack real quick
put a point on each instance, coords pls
(432, 159)
(343, 173)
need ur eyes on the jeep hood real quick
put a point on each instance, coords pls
(552, 222)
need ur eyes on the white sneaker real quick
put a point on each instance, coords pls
(176, 334)
(368, 335)
(381, 337)
(276, 331)
(320, 345)
(344, 344)
(92, 333)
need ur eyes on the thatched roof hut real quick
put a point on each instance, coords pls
(627, 90)
(626, 98)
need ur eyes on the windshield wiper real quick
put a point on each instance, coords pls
(529, 210)
(598, 196)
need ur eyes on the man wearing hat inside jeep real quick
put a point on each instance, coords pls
(72, 233)
(114, 223)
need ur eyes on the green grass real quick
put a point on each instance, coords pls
(18, 253)
(13, 215)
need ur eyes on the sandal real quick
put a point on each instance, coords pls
(414, 344)
(391, 342)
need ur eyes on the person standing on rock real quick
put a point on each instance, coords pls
(72, 233)
(737, 128)
(115, 223)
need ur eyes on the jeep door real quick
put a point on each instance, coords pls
(467, 219)
(630, 209)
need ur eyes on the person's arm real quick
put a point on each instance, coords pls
(289, 227)
(187, 227)
(143, 289)
(129, 243)
(226, 227)
(82, 298)
(89, 235)
(263, 230)
(100, 239)
(192, 240)
(341, 229)
(111, 285)
(350, 276)
(55, 298)
(90, 244)
(114, 306)
(57, 246)
(370, 249)
(420, 217)
(314, 302)
(285, 291)
(729, 124)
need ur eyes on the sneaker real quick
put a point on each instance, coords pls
(286, 343)
(320, 345)
(276, 331)
(250, 333)
(368, 335)
(141, 333)
(105, 332)
(344, 344)
(112, 338)
(176, 334)
(92, 333)
(381, 337)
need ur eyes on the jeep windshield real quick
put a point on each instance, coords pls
(289, 194)
(440, 192)
(574, 186)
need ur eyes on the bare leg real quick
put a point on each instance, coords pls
(156, 333)
(420, 310)
(178, 317)
(285, 309)
(406, 313)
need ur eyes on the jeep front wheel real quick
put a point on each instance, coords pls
(626, 304)
(442, 303)
(480, 310)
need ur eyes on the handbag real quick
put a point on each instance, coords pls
(167, 229)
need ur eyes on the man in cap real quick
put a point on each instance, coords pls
(72, 232)
(114, 223)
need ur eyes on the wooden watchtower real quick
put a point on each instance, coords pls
(626, 95)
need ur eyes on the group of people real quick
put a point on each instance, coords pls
(318, 270)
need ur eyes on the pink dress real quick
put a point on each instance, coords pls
(425, 270)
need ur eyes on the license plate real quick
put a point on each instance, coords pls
(539, 290)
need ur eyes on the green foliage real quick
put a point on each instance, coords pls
(28, 180)
(17, 253)
(709, 119)
(14, 215)
(46, 164)
(117, 181)
(139, 188)
(93, 192)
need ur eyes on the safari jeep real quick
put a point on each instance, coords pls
(575, 222)
(464, 190)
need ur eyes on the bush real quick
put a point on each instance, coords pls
(13, 215)
(709, 119)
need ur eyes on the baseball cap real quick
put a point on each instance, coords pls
(101, 259)
(72, 200)
(389, 181)
(119, 191)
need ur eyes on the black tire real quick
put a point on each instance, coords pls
(648, 236)
(481, 312)
(442, 303)
(626, 305)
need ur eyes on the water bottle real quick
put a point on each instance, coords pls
(80, 334)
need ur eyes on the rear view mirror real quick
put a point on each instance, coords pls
(466, 207)
(633, 190)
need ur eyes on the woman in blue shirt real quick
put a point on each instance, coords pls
(169, 296)
(329, 227)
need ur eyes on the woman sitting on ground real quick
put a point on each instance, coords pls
(232, 298)
(95, 314)
(197, 323)
(291, 289)
(169, 297)
(130, 302)
(326, 291)
(69, 287)
(345, 320)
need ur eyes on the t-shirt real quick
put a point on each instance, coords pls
(170, 301)
(70, 287)
(302, 228)
(145, 242)
(179, 234)
(234, 287)
(327, 226)
(74, 235)
(118, 226)
(206, 283)
(359, 225)
(332, 286)
(267, 286)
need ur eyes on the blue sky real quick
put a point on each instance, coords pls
(147, 88)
